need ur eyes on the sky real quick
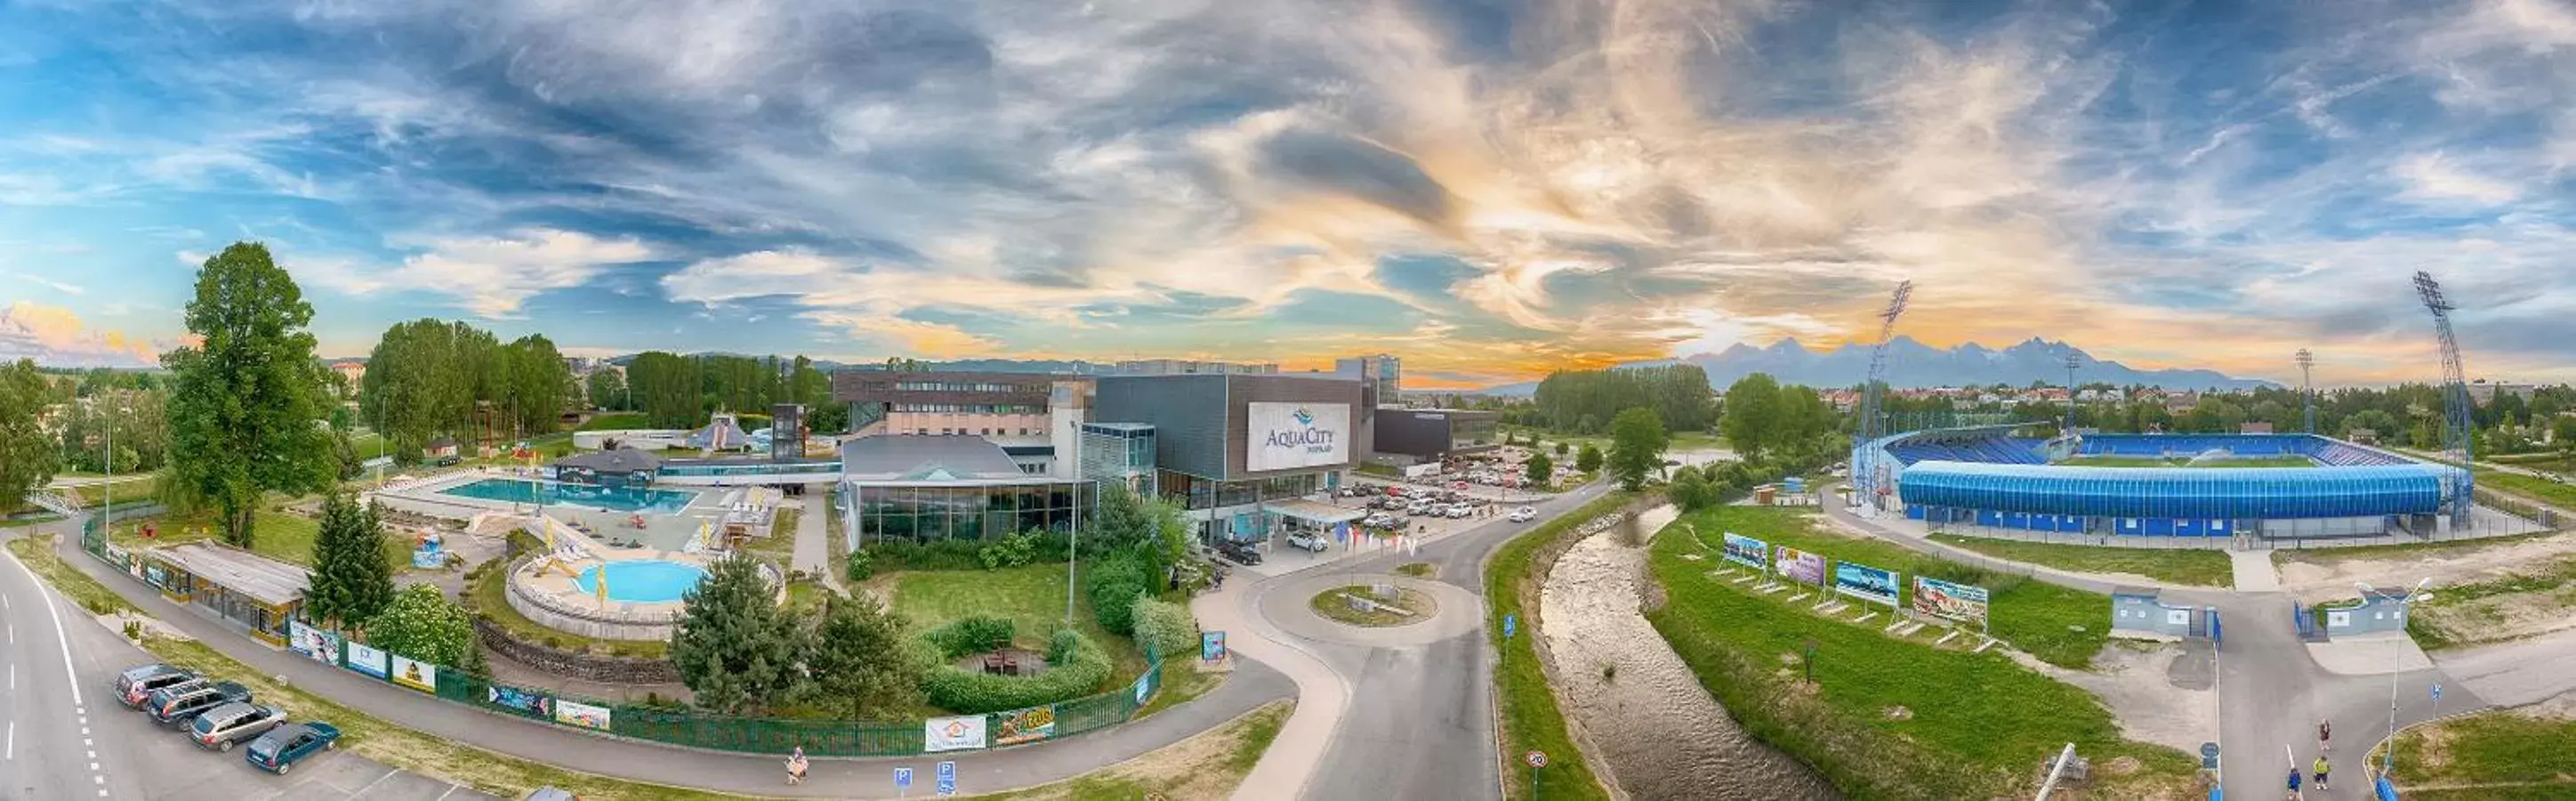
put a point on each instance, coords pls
(1491, 189)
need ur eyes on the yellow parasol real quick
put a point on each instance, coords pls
(599, 585)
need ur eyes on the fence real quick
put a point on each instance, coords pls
(683, 727)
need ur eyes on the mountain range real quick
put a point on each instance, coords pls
(1914, 364)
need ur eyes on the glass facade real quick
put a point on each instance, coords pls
(1201, 494)
(1121, 453)
(922, 514)
(1471, 431)
(2217, 493)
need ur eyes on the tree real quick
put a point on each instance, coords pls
(862, 663)
(1689, 490)
(1561, 447)
(733, 647)
(666, 389)
(2562, 433)
(1589, 460)
(28, 456)
(351, 582)
(1637, 444)
(532, 387)
(421, 623)
(246, 416)
(606, 389)
(1538, 469)
(1754, 417)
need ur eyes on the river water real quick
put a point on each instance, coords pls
(1660, 731)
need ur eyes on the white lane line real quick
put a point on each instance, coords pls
(451, 790)
(362, 791)
(13, 676)
(12, 752)
(70, 676)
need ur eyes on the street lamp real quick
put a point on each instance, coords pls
(2396, 653)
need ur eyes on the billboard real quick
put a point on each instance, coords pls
(528, 702)
(1800, 566)
(1287, 436)
(1961, 602)
(1865, 582)
(952, 734)
(366, 659)
(314, 643)
(1748, 552)
(576, 713)
(1024, 726)
(415, 674)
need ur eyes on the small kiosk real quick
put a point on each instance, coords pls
(241, 587)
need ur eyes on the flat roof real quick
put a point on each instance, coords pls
(1120, 426)
(621, 460)
(267, 580)
(1309, 510)
(926, 457)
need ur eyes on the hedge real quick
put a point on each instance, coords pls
(1075, 667)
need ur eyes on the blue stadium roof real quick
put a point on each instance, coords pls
(2214, 493)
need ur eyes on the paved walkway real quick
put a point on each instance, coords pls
(1322, 695)
(1252, 685)
(2254, 571)
(813, 546)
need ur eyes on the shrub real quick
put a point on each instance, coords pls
(1012, 551)
(968, 634)
(934, 555)
(861, 566)
(1075, 668)
(1114, 585)
(1164, 627)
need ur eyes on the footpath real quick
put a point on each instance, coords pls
(1251, 685)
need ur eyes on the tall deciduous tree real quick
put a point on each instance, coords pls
(666, 389)
(1754, 417)
(351, 582)
(1637, 444)
(606, 389)
(1538, 468)
(421, 623)
(862, 663)
(532, 390)
(1589, 459)
(247, 412)
(28, 456)
(733, 647)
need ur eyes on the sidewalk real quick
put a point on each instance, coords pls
(1252, 685)
(1322, 694)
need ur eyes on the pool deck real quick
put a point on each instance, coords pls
(661, 531)
(560, 603)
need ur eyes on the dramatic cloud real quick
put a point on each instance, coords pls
(54, 336)
(489, 277)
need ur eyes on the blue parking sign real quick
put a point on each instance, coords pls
(947, 778)
(903, 778)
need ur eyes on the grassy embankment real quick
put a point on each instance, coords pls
(1210, 764)
(1531, 720)
(1889, 717)
(2458, 612)
(2544, 490)
(2195, 567)
(276, 535)
(2496, 754)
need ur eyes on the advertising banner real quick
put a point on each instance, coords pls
(576, 713)
(415, 674)
(1212, 645)
(366, 659)
(527, 702)
(314, 643)
(1865, 582)
(1144, 687)
(1024, 726)
(1286, 436)
(1800, 566)
(1961, 602)
(953, 734)
(1425, 470)
(1748, 552)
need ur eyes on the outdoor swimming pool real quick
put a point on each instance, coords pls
(641, 580)
(622, 499)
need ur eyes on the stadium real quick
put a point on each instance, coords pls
(2269, 486)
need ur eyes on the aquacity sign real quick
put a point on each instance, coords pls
(1286, 436)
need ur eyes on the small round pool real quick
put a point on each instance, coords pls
(641, 580)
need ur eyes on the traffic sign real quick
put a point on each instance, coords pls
(903, 778)
(1536, 759)
(2437, 691)
(2209, 756)
(947, 778)
(1510, 622)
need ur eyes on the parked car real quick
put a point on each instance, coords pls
(177, 710)
(134, 685)
(282, 747)
(1241, 553)
(1308, 541)
(1524, 515)
(551, 793)
(222, 727)
(1461, 510)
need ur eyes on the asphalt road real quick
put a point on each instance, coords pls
(66, 737)
(1420, 720)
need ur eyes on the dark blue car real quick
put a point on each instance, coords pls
(282, 747)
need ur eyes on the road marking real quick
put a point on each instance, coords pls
(12, 752)
(13, 675)
(362, 791)
(70, 676)
(451, 790)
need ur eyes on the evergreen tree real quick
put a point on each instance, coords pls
(862, 664)
(733, 646)
(351, 582)
(246, 416)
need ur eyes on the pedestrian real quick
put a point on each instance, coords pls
(796, 766)
(2294, 783)
(2325, 736)
(2321, 771)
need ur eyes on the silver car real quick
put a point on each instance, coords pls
(221, 727)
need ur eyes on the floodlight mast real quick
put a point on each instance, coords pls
(1865, 469)
(2071, 363)
(2307, 388)
(2457, 442)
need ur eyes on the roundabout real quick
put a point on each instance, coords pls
(1374, 606)
(1433, 611)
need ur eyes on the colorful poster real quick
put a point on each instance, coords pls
(523, 701)
(1800, 566)
(953, 734)
(1748, 551)
(366, 659)
(1024, 726)
(576, 713)
(1144, 687)
(1212, 645)
(313, 642)
(1865, 582)
(1964, 603)
(415, 674)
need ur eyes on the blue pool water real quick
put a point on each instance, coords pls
(641, 580)
(622, 499)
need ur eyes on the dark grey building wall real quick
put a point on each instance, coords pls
(1422, 434)
(1248, 389)
(1187, 412)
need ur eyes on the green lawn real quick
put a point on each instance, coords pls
(2061, 626)
(126, 490)
(2152, 461)
(2561, 495)
(2509, 754)
(1531, 720)
(1886, 718)
(2452, 611)
(2196, 567)
(276, 535)
(1031, 596)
